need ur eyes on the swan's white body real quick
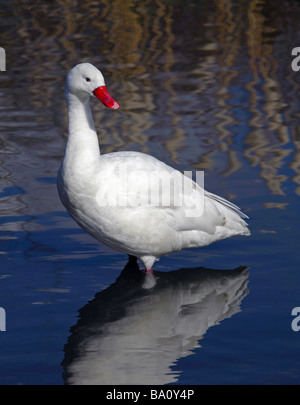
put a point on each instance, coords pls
(117, 212)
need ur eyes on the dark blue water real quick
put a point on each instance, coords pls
(202, 86)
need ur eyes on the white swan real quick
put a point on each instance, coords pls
(126, 200)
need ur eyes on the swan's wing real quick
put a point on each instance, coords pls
(226, 203)
(138, 181)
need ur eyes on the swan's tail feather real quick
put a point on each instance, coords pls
(227, 204)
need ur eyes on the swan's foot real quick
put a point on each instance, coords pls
(148, 263)
(149, 271)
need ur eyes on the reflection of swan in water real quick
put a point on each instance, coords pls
(136, 329)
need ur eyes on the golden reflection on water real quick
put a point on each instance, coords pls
(175, 66)
(269, 133)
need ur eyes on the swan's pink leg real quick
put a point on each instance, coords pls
(149, 270)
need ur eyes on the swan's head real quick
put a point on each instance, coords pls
(86, 80)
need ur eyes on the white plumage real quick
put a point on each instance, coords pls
(131, 201)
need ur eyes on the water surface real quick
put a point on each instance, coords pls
(202, 86)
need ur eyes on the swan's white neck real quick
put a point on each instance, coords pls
(82, 149)
(79, 114)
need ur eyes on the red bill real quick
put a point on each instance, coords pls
(103, 95)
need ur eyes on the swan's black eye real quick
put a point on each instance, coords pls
(87, 79)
